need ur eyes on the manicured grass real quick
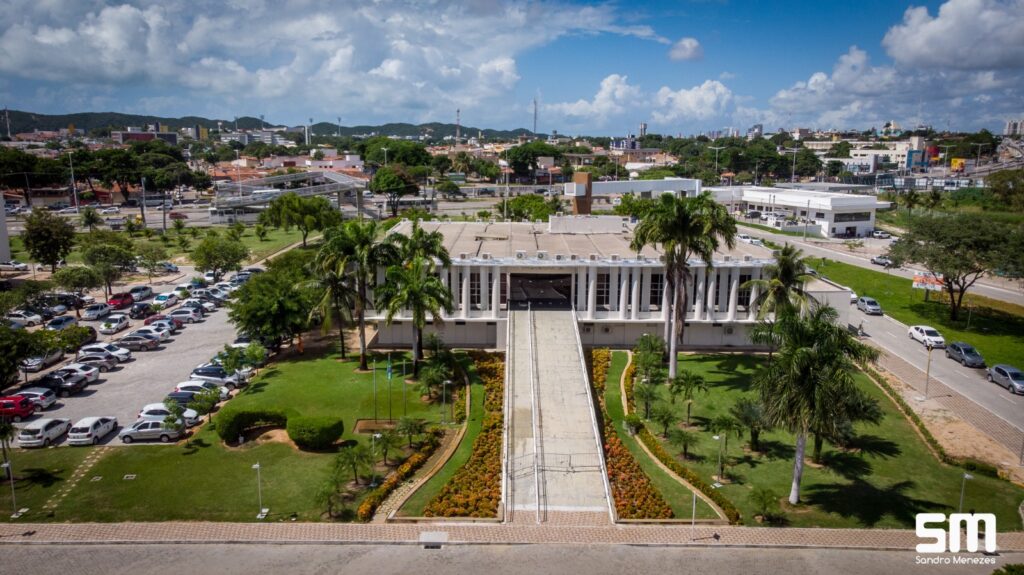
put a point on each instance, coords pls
(418, 501)
(678, 497)
(810, 232)
(39, 474)
(884, 482)
(996, 328)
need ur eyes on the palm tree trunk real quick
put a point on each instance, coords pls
(818, 441)
(755, 436)
(361, 313)
(416, 352)
(677, 327)
(798, 467)
(670, 285)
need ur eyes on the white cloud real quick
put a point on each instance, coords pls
(612, 99)
(686, 49)
(965, 35)
(702, 102)
(726, 76)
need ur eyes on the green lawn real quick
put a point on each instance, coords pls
(679, 498)
(889, 478)
(810, 232)
(39, 474)
(996, 329)
(414, 506)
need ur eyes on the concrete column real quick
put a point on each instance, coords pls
(591, 291)
(712, 286)
(754, 293)
(623, 292)
(464, 292)
(581, 288)
(495, 291)
(454, 284)
(645, 295)
(666, 301)
(635, 304)
(613, 288)
(698, 306)
(734, 292)
(485, 285)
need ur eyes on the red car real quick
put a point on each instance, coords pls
(177, 216)
(177, 322)
(121, 300)
(16, 407)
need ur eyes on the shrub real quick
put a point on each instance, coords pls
(316, 433)
(233, 422)
(372, 501)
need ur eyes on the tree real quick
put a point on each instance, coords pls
(16, 345)
(178, 226)
(911, 199)
(664, 416)
(684, 227)
(688, 384)
(175, 419)
(150, 256)
(131, 227)
(271, 307)
(389, 439)
(393, 182)
(77, 279)
(415, 288)
(410, 427)
(724, 426)
(48, 238)
(184, 243)
(840, 150)
(447, 188)
(816, 363)
(749, 413)
(646, 394)
(530, 207)
(354, 458)
(109, 261)
(90, 218)
(683, 440)
(217, 255)
(422, 244)
(205, 402)
(962, 247)
(337, 294)
(259, 230)
(781, 290)
(305, 213)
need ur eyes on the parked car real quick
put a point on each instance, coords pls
(120, 300)
(138, 343)
(41, 310)
(197, 387)
(203, 306)
(88, 337)
(110, 210)
(1007, 376)
(186, 314)
(218, 293)
(927, 335)
(253, 270)
(122, 354)
(211, 277)
(869, 306)
(965, 354)
(165, 299)
(13, 266)
(144, 429)
(63, 384)
(154, 330)
(881, 234)
(59, 323)
(161, 317)
(159, 412)
(40, 396)
(216, 374)
(103, 361)
(16, 407)
(166, 324)
(177, 216)
(182, 398)
(96, 311)
(753, 214)
(25, 318)
(41, 362)
(91, 430)
(43, 432)
(140, 310)
(883, 261)
(90, 373)
(114, 323)
(140, 293)
(167, 267)
(45, 267)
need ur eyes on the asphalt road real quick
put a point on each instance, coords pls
(469, 559)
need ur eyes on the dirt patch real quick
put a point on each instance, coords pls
(371, 426)
(263, 435)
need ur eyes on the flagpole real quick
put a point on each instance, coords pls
(389, 387)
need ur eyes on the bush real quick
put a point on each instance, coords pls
(369, 505)
(315, 433)
(233, 422)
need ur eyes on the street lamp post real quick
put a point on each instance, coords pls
(259, 492)
(794, 151)
(373, 458)
(385, 156)
(807, 217)
(716, 149)
(15, 513)
(977, 163)
(946, 159)
(927, 376)
(374, 368)
(444, 393)
(718, 438)
(963, 487)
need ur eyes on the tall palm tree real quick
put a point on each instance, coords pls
(338, 294)
(683, 439)
(90, 218)
(781, 290)
(366, 247)
(911, 199)
(645, 393)
(422, 244)
(410, 427)
(413, 286)
(814, 369)
(684, 228)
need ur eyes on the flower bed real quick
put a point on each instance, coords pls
(369, 505)
(475, 490)
(634, 495)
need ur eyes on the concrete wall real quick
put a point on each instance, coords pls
(468, 334)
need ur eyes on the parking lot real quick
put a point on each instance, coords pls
(148, 377)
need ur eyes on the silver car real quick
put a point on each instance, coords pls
(96, 311)
(869, 306)
(42, 397)
(144, 429)
(43, 432)
(1007, 376)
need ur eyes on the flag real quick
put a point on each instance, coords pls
(389, 366)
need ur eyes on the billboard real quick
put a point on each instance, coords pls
(928, 281)
(957, 164)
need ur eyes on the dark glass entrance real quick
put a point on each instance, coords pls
(540, 291)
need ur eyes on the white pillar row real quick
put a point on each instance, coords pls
(645, 294)
(464, 292)
(698, 306)
(734, 292)
(635, 303)
(591, 291)
(485, 287)
(495, 291)
(754, 293)
(613, 288)
(623, 292)
(712, 286)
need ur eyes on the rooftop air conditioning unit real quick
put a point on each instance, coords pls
(594, 257)
(559, 257)
(463, 255)
(727, 258)
(520, 255)
(573, 257)
(748, 258)
(615, 257)
(542, 255)
(485, 256)
(641, 258)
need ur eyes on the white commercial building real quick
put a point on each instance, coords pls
(586, 263)
(826, 214)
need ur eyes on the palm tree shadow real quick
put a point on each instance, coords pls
(873, 445)
(38, 476)
(868, 504)
(846, 464)
(776, 449)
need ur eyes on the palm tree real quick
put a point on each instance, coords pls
(688, 384)
(664, 416)
(646, 394)
(354, 458)
(131, 227)
(850, 409)
(337, 294)
(684, 227)
(814, 367)
(389, 440)
(750, 414)
(683, 440)
(911, 199)
(410, 427)
(782, 288)
(415, 287)
(934, 199)
(366, 247)
(422, 244)
(179, 226)
(90, 218)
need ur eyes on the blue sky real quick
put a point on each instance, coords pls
(595, 68)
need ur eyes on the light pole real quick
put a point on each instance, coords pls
(927, 375)
(807, 217)
(373, 459)
(238, 172)
(444, 393)
(374, 368)
(716, 149)
(977, 164)
(15, 513)
(792, 177)
(963, 487)
(385, 156)
(946, 158)
(718, 438)
(74, 187)
(259, 492)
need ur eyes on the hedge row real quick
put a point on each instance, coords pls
(372, 501)
(315, 433)
(969, 464)
(232, 422)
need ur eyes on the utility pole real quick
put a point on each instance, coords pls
(263, 125)
(74, 188)
(143, 208)
(977, 164)
(385, 156)
(458, 126)
(946, 158)
(7, 118)
(716, 149)
(339, 126)
(792, 177)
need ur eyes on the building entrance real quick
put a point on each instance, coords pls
(540, 291)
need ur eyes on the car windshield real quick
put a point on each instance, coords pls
(968, 350)
(931, 333)
(870, 301)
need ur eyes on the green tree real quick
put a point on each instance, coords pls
(175, 419)
(77, 279)
(178, 226)
(131, 227)
(688, 384)
(911, 199)
(48, 238)
(414, 288)
(750, 414)
(355, 458)
(217, 255)
(271, 307)
(305, 213)
(422, 244)
(109, 261)
(410, 427)
(261, 232)
(816, 363)
(90, 218)
(336, 294)
(782, 289)
(646, 394)
(150, 256)
(393, 182)
(530, 207)
(205, 402)
(840, 150)
(16, 345)
(683, 440)
(664, 416)
(389, 439)
(184, 243)
(447, 188)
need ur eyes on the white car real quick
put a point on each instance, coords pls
(210, 277)
(167, 324)
(25, 318)
(96, 311)
(165, 299)
(927, 335)
(114, 323)
(13, 266)
(201, 386)
(120, 353)
(881, 234)
(111, 210)
(218, 293)
(42, 397)
(140, 293)
(206, 305)
(227, 287)
(159, 412)
(90, 373)
(43, 432)
(186, 314)
(152, 329)
(90, 430)
(67, 211)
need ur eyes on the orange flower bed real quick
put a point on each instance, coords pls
(369, 505)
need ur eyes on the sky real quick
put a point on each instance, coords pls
(683, 67)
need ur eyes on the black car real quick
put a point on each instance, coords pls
(61, 384)
(182, 398)
(141, 310)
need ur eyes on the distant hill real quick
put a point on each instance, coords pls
(29, 121)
